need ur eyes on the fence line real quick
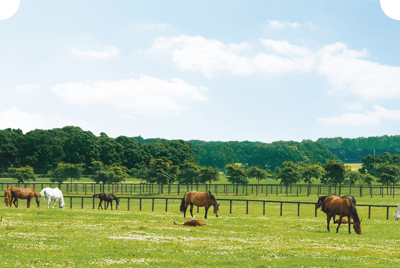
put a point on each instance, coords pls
(264, 202)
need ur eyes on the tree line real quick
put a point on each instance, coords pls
(353, 150)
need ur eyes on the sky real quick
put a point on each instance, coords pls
(205, 70)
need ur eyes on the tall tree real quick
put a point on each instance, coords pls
(208, 174)
(257, 173)
(235, 173)
(387, 173)
(65, 171)
(289, 174)
(161, 172)
(309, 172)
(22, 174)
(189, 173)
(335, 173)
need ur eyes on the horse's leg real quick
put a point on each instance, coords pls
(349, 217)
(100, 204)
(206, 207)
(28, 202)
(15, 200)
(328, 220)
(48, 202)
(111, 204)
(339, 223)
(55, 202)
(191, 210)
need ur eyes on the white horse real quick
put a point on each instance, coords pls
(397, 214)
(53, 194)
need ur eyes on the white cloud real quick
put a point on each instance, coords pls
(352, 106)
(147, 95)
(277, 24)
(27, 87)
(14, 118)
(99, 53)
(211, 56)
(358, 119)
(284, 47)
(346, 71)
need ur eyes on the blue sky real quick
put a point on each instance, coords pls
(208, 70)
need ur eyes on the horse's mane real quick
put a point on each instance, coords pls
(354, 212)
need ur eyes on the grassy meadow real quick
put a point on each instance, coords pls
(39, 237)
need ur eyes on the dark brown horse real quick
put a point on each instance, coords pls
(24, 193)
(107, 198)
(192, 222)
(199, 199)
(343, 206)
(8, 196)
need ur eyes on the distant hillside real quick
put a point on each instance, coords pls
(351, 150)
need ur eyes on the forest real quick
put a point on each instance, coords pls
(352, 150)
(44, 149)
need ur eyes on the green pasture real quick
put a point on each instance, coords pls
(120, 238)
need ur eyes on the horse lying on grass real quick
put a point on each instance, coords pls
(107, 198)
(192, 222)
(199, 199)
(53, 194)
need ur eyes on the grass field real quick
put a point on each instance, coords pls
(95, 238)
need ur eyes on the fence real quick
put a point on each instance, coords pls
(216, 189)
(79, 200)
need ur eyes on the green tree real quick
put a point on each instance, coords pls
(189, 173)
(208, 175)
(65, 171)
(108, 173)
(335, 173)
(289, 174)
(258, 173)
(353, 177)
(367, 179)
(22, 174)
(387, 173)
(161, 172)
(235, 173)
(309, 172)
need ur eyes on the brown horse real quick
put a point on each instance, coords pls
(25, 193)
(192, 222)
(8, 196)
(199, 199)
(342, 206)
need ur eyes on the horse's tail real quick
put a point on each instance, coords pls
(183, 204)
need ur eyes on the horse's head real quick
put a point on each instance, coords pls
(61, 204)
(320, 201)
(216, 208)
(357, 227)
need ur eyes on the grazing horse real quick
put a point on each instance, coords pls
(53, 194)
(397, 213)
(8, 196)
(107, 198)
(192, 222)
(199, 199)
(24, 193)
(342, 206)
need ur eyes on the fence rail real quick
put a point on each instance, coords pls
(216, 189)
(231, 201)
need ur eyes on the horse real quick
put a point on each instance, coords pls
(192, 222)
(342, 206)
(397, 213)
(53, 194)
(8, 196)
(199, 199)
(24, 193)
(107, 198)
(320, 203)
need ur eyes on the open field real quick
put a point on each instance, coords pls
(93, 238)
